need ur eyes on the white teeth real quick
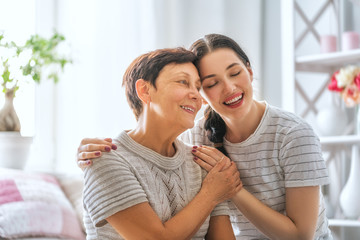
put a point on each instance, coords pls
(187, 108)
(234, 99)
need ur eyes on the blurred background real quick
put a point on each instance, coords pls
(284, 39)
(102, 38)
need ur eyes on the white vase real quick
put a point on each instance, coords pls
(14, 150)
(331, 121)
(350, 195)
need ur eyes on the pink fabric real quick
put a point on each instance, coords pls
(9, 192)
(33, 204)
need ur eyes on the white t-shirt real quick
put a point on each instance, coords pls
(282, 152)
(133, 174)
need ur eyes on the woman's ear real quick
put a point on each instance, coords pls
(248, 67)
(142, 90)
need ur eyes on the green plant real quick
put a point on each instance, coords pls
(43, 53)
(38, 56)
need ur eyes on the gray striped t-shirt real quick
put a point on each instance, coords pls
(134, 174)
(282, 152)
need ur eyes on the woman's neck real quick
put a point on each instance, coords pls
(155, 136)
(238, 130)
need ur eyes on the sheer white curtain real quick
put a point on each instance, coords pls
(104, 37)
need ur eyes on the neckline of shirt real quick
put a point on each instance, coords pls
(148, 154)
(255, 135)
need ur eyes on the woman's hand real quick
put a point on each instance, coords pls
(208, 157)
(90, 148)
(223, 181)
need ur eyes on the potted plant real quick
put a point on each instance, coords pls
(37, 58)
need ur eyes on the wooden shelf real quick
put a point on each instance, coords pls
(326, 62)
(343, 140)
(344, 223)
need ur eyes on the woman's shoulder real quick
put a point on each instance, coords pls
(289, 124)
(284, 117)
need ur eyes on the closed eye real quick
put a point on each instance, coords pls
(212, 85)
(235, 74)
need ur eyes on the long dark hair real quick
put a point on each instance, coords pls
(214, 124)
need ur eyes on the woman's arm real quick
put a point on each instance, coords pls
(220, 228)
(141, 222)
(301, 206)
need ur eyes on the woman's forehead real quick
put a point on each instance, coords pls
(179, 69)
(219, 60)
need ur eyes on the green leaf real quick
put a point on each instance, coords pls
(43, 53)
(27, 69)
(54, 76)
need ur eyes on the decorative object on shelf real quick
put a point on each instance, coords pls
(346, 81)
(349, 41)
(19, 64)
(350, 195)
(332, 121)
(328, 43)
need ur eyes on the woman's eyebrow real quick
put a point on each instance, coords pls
(208, 76)
(231, 65)
(213, 75)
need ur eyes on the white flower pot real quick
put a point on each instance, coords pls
(332, 121)
(14, 150)
(350, 195)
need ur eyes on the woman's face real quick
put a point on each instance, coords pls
(176, 98)
(226, 83)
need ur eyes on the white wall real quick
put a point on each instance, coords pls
(104, 37)
(271, 44)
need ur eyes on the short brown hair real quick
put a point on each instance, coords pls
(148, 67)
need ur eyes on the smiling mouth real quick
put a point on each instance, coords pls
(189, 109)
(235, 100)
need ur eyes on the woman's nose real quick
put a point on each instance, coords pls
(229, 86)
(194, 93)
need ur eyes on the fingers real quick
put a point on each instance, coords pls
(84, 164)
(206, 155)
(220, 165)
(94, 147)
(223, 184)
(96, 144)
(209, 155)
(203, 164)
(88, 155)
(212, 149)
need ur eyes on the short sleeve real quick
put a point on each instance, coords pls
(110, 186)
(301, 158)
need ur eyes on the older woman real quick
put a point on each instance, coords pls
(150, 187)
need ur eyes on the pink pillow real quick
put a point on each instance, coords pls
(33, 205)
